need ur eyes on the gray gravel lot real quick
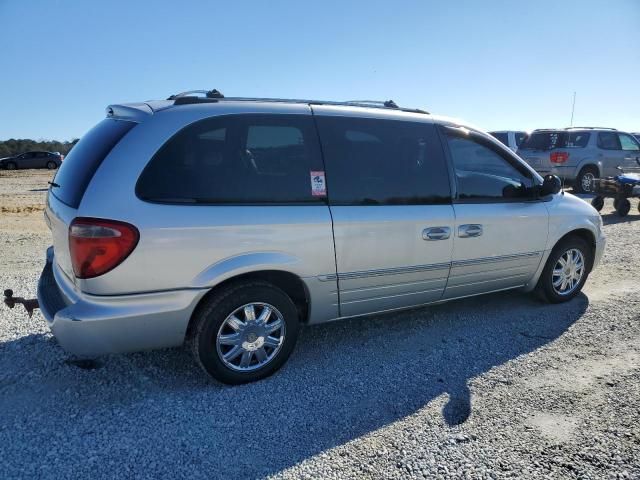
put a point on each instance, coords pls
(491, 387)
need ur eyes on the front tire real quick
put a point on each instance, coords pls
(566, 270)
(623, 207)
(11, 166)
(598, 203)
(52, 165)
(245, 332)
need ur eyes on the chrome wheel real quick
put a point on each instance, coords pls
(568, 272)
(250, 337)
(587, 182)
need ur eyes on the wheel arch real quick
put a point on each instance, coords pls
(288, 282)
(586, 163)
(586, 235)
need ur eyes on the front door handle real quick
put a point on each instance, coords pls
(436, 233)
(469, 230)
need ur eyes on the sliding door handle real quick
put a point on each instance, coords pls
(469, 230)
(436, 233)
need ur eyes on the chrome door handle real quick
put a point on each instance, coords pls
(436, 233)
(469, 230)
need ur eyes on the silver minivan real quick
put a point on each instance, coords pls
(229, 223)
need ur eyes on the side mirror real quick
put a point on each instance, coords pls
(551, 185)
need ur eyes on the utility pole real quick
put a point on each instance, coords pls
(573, 107)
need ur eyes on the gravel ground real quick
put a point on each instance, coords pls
(492, 387)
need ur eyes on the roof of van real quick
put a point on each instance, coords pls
(138, 111)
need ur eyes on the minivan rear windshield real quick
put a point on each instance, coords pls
(79, 166)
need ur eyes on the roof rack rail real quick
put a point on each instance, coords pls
(212, 96)
(591, 128)
(207, 94)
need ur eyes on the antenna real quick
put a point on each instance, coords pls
(573, 107)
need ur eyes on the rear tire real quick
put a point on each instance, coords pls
(585, 181)
(549, 287)
(232, 344)
(597, 203)
(624, 205)
(11, 166)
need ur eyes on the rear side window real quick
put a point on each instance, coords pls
(503, 137)
(238, 159)
(85, 157)
(541, 141)
(608, 141)
(574, 140)
(627, 142)
(383, 162)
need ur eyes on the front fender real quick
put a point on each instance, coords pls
(246, 263)
(568, 213)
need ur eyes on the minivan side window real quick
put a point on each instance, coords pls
(628, 142)
(484, 174)
(374, 161)
(608, 141)
(237, 159)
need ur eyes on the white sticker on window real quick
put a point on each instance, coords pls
(318, 185)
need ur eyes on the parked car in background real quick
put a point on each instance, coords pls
(226, 232)
(511, 138)
(580, 154)
(637, 135)
(50, 160)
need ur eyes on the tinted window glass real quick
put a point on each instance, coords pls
(236, 159)
(574, 140)
(482, 173)
(83, 160)
(383, 162)
(608, 141)
(628, 142)
(502, 136)
(520, 137)
(541, 140)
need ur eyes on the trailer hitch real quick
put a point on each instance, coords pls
(29, 304)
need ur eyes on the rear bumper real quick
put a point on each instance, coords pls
(93, 325)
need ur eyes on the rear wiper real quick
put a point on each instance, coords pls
(53, 184)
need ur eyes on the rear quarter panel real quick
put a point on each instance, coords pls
(198, 246)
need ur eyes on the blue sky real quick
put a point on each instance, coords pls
(498, 64)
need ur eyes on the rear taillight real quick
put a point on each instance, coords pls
(558, 157)
(99, 245)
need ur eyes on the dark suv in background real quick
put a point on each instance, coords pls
(50, 160)
(580, 154)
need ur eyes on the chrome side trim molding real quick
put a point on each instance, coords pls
(393, 271)
(501, 258)
(424, 268)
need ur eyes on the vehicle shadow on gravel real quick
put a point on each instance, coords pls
(344, 380)
(613, 218)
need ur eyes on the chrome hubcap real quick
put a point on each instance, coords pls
(568, 271)
(587, 182)
(250, 337)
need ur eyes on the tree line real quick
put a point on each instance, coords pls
(14, 146)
